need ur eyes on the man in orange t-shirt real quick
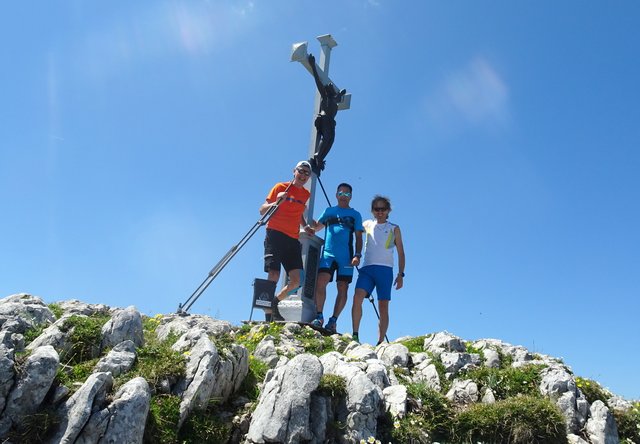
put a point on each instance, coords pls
(281, 245)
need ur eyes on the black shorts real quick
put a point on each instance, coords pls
(280, 249)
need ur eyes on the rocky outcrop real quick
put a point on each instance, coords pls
(342, 396)
(283, 412)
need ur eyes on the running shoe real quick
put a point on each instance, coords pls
(331, 325)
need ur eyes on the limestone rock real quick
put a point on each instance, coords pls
(443, 342)
(395, 399)
(601, 426)
(559, 385)
(266, 351)
(119, 360)
(180, 324)
(282, 414)
(124, 325)
(123, 420)
(76, 411)
(463, 392)
(74, 306)
(395, 354)
(31, 386)
(30, 309)
(7, 373)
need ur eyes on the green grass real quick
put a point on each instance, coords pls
(592, 390)
(56, 310)
(255, 376)
(415, 345)
(85, 337)
(333, 386)
(519, 420)
(508, 382)
(162, 420)
(628, 424)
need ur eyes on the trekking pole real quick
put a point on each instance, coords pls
(217, 268)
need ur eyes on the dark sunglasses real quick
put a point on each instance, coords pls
(380, 209)
(344, 193)
(303, 171)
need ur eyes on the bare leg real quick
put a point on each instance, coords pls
(321, 290)
(273, 275)
(341, 300)
(383, 325)
(294, 282)
(356, 309)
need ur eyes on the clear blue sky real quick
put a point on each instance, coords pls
(138, 139)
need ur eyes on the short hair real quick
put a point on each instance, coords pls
(344, 184)
(379, 198)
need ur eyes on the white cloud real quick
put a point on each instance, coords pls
(475, 96)
(167, 29)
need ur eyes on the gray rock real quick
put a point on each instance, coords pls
(558, 385)
(6, 373)
(463, 392)
(320, 415)
(31, 386)
(123, 420)
(364, 400)
(575, 439)
(74, 306)
(12, 340)
(232, 368)
(377, 373)
(119, 360)
(30, 309)
(124, 325)
(443, 342)
(282, 414)
(197, 385)
(395, 400)
(453, 361)
(491, 358)
(58, 336)
(179, 324)
(76, 411)
(394, 354)
(426, 372)
(488, 397)
(360, 353)
(601, 426)
(266, 351)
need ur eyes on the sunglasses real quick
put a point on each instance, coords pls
(303, 171)
(344, 193)
(380, 209)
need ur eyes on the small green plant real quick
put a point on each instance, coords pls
(78, 373)
(56, 309)
(204, 427)
(157, 362)
(508, 382)
(333, 386)
(628, 422)
(592, 390)
(415, 345)
(257, 372)
(34, 428)
(33, 332)
(518, 420)
(315, 343)
(162, 420)
(250, 339)
(85, 337)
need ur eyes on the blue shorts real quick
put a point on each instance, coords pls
(329, 263)
(378, 277)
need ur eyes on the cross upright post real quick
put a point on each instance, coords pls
(299, 54)
(312, 245)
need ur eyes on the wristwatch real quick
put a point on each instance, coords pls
(401, 274)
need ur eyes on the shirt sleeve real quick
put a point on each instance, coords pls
(358, 226)
(273, 194)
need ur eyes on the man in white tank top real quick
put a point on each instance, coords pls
(382, 238)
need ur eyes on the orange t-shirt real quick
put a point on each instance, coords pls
(287, 217)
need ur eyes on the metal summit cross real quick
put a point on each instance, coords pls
(299, 54)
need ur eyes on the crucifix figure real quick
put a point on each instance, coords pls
(329, 100)
(325, 122)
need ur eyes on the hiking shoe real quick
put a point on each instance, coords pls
(331, 325)
(356, 338)
(318, 321)
(275, 314)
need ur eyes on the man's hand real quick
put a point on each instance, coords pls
(355, 261)
(398, 282)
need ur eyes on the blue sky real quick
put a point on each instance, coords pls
(138, 140)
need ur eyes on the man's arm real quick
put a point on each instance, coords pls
(355, 261)
(401, 259)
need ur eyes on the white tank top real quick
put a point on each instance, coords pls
(379, 243)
